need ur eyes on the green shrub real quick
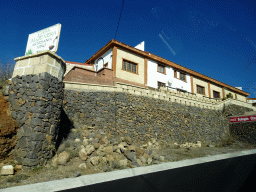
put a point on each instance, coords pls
(229, 96)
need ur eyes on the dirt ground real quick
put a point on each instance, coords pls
(8, 129)
(49, 173)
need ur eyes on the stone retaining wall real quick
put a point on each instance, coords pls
(245, 131)
(143, 118)
(162, 94)
(35, 103)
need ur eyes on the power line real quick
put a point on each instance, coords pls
(119, 19)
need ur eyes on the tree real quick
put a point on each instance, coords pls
(6, 70)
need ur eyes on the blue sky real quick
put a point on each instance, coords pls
(215, 38)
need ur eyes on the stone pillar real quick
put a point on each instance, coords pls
(36, 95)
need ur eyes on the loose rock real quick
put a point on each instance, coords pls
(7, 170)
(76, 174)
(143, 160)
(149, 161)
(82, 166)
(63, 158)
(95, 160)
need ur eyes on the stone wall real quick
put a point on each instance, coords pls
(143, 118)
(245, 132)
(35, 103)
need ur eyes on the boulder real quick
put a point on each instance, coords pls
(105, 141)
(96, 145)
(95, 160)
(86, 142)
(161, 158)
(122, 146)
(118, 151)
(18, 167)
(143, 160)
(155, 157)
(139, 162)
(103, 161)
(76, 174)
(109, 149)
(139, 152)
(109, 158)
(63, 158)
(145, 155)
(83, 154)
(149, 161)
(7, 170)
(77, 140)
(82, 166)
(118, 156)
(123, 162)
(130, 155)
(55, 160)
(150, 153)
(89, 149)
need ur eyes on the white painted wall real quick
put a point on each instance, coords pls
(107, 57)
(154, 76)
(251, 101)
(141, 46)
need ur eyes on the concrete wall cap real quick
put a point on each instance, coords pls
(40, 53)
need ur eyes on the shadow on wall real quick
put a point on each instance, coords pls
(64, 129)
(244, 132)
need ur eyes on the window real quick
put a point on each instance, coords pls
(129, 66)
(175, 73)
(216, 94)
(160, 68)
(160, 84)
(182, 76)
(200, 89)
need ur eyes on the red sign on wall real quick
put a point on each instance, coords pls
(242, 119)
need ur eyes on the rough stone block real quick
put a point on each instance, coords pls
(37, 136)
(89, 149)
(82, 166)
(83, 154)
(7, 170)
(63, 158)
(95, 160)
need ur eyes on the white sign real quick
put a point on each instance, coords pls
(45, 39)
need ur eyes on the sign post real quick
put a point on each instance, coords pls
(45, 39)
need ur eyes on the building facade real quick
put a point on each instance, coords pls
(118, 62)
